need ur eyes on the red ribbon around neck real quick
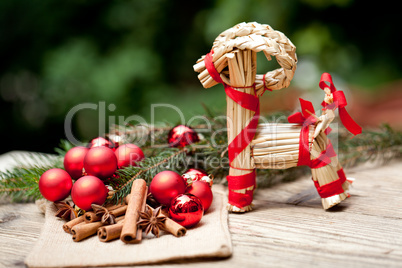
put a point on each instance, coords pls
(340, 102)
(242, 140)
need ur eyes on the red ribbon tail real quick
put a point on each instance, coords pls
(296, 118)
(349, 123)
(306, 106)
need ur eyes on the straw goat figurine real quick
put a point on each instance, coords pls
(232, 62)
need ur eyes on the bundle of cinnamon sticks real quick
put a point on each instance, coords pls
(119, 221)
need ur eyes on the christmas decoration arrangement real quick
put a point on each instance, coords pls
(113, 189)
(170, 204)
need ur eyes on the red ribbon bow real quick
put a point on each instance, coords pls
(304, 117)
(307, 118)
(339, 102)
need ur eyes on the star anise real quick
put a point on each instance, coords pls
(151, 201)
(65, 210)
(107, 216)
(152, 221)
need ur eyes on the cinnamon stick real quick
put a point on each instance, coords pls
(118, 210)
(136, 203)
(90, 216)
(172, 227)
(68, 225)
(82, 231)
(110, 232)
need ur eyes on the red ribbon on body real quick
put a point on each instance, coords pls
(241, 141)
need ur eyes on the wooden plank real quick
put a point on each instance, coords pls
(20, 226)
(287, 227)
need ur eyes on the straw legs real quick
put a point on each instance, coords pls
(276, 146)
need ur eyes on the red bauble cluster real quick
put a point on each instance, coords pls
(56, 185)
(182, 135)
(101, 158)
(89, 166)
(187, 204)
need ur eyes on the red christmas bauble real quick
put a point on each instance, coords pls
(100, 162)
(55, 184)
(128, 155)
(203, 191)
(195, 174)
(208, 179)
(101, 142)
(186, 210)
(88, 190)
(181, 135)
(166, 185)
(116, 139)
(74, 161)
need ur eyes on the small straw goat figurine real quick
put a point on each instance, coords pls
(304, 141)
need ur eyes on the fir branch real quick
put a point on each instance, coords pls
(171, 159)
(63, 148)
(382, 145)
(21, 182)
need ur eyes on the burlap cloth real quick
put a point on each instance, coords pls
(210, 238)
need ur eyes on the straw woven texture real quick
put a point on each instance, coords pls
(255, 37)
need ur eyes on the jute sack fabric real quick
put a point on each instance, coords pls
(210, 238)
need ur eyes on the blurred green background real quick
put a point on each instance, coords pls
(131, 54)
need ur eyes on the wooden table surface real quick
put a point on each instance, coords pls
(288, 227)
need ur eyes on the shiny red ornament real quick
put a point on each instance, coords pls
(74, 161)
(166, 185)
(186, 210)
(181, 135)
(128, 155)
(101, 142)
(208, 179)
(88, 190)
(55, 184)
(100, 162)
(116, 139)
(195, 174)
(203, 191)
